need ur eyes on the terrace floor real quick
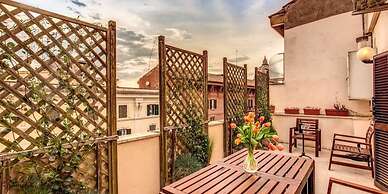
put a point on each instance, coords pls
(322, 175)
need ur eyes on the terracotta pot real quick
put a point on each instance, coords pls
(335, 112)
(291, 111)
(272, 109)
(309, 111)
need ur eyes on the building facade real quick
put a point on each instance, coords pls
(137, 110)
(317, 50)
(150, 80)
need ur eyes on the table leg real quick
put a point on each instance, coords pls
(311, 182)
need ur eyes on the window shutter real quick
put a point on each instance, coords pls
(148, 110)
(123, 111)
(380, 112)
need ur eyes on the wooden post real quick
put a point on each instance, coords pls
(256, 101)
(111, 109)
(205, 92)
(226, 123)
(245, 87)
(162, 101)
(266, 65)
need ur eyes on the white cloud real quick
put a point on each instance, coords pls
(178, 34)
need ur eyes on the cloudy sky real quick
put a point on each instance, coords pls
(223, 27)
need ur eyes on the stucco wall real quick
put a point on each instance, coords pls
(329, 125)
(316, 64)
(138, 160)
(381, 31)
(216, 132)
(138, 165)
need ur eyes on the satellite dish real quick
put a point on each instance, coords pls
(276, 66)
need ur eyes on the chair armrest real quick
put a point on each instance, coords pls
(350, 136)
(352, 185)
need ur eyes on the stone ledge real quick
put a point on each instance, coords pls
(137, 137)
(323, 116)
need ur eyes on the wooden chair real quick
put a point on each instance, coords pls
(343, 145)
(352, 185)
(312, 133)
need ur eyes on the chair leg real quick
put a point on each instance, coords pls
(316, 148)
(296, 143)
(290, 145)
(331, 158)
(320, 141)
(373, 169)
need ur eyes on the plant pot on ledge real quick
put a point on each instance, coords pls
(272, 109)
(291, 110)
(312, 111)
(335, 112)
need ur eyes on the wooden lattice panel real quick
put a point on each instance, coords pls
(262, 90)
(183, 93)
(55, 81)
(235, 100)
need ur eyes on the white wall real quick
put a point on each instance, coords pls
(328, 124)
(316, 64)
(381, 32)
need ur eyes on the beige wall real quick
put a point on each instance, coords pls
(328, 125)
(138, 160)
(316, 64)
(138, 165)
(216, 132)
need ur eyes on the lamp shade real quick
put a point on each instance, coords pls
(366, 54)
(365, 51)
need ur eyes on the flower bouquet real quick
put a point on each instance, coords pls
(255, 135)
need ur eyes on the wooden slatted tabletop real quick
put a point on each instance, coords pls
(277, 174)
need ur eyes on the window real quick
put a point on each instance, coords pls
(152, 127)
(123, 111)
(250, 103)
(212, 104)
(152, 109)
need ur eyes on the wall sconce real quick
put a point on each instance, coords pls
(365, 48)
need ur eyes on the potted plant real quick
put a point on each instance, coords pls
(338, 110)
(272, 109)
(291, 110)
(255, 135)
(311, 111)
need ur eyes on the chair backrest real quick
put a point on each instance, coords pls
(369, 134)
(312, 124)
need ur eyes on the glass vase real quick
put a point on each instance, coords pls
(250, 163)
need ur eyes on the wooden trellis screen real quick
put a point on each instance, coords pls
(57, 79)
(261, 90)
(235, 100)
(183, 93)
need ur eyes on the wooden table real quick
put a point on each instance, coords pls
(277, 173)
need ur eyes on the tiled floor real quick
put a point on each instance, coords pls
(359, 176)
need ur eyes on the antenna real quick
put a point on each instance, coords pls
(236, 55)
(152, 51)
